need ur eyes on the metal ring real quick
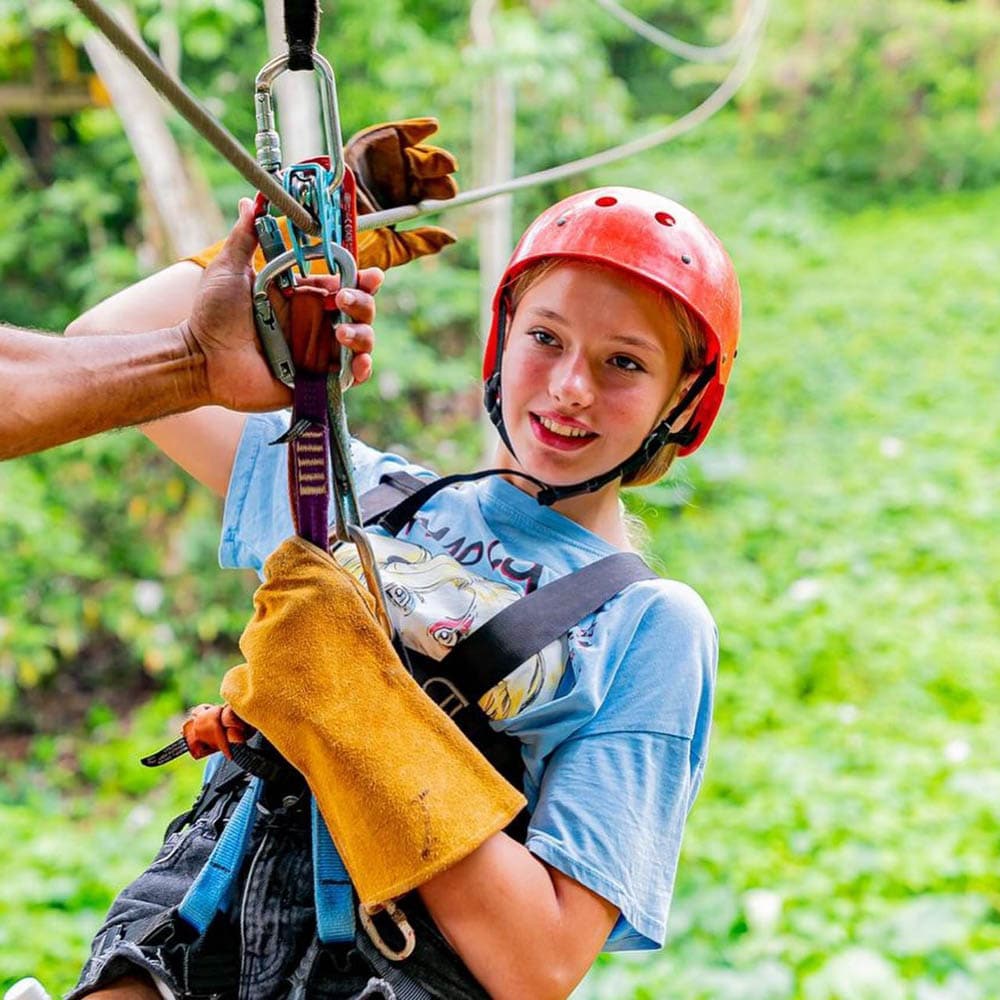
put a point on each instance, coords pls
(399, 919)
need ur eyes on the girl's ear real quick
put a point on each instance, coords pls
(678, 394)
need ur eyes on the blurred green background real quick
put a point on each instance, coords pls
(841, 522)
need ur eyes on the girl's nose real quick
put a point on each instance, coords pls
(572, 384)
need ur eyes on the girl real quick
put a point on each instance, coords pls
(613, 334)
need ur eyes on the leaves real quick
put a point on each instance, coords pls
(840, 521)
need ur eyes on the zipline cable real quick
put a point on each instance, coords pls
(208, 126)
(756, 18)
(670, 43)
(197, 115)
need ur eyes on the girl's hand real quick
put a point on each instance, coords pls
(220, 327)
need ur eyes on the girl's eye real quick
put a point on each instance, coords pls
(626, 364)
(542, 337)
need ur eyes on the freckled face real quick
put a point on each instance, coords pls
(591, 361)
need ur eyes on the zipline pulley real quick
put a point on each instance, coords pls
(326, 189)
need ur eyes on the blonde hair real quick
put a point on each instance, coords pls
(692, 337)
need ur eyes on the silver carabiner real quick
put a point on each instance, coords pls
(399, 919)
(267, 140)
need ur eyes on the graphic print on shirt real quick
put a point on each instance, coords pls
(435, 602)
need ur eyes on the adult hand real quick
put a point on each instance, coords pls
(221, 327)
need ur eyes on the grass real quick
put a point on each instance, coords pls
(841, 524)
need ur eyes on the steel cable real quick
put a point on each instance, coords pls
(756, 18)
(670, 43)
(750, 33)
(197, 115)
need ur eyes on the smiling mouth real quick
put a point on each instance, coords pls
(565, 430)
(559, 435)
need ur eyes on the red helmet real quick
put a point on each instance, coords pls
(654, 239)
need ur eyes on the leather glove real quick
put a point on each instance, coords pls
(393, 167)
(403, 792)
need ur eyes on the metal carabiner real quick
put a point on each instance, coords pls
(327, 191)
(267, 140)
(399, 919)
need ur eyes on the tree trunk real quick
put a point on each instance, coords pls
(45, 144)
(187, 216)
(494, 163)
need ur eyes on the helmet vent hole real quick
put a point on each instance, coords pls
(665, 219)
(686, 258)
(606, 201)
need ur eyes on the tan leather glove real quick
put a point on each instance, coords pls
(393, 166)
(403, 793)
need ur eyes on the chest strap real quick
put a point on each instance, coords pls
(522, 629)
(484, 657)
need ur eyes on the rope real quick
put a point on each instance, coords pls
(672, 44)
(194, 112)
(750, 34)
(755, 19)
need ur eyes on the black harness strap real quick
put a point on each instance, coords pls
(524, 628)
(301, 29)
(396, 519)
(527, 626)
(392, 489)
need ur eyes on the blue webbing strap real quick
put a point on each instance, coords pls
(210, 891)
(332, 890)
(212, 765)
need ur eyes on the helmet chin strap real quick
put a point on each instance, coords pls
(662, 434)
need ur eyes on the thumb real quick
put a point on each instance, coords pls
(237, 251)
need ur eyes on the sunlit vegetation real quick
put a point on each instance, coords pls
(841, 522)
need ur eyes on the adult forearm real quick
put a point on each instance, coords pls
(57, 389)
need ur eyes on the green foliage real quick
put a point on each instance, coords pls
(882, 98)
(659, 83)
(65, 244)
(839, 523)
(78, 820)
(88, 589)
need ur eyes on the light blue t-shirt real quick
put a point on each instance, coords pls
(613, 718)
